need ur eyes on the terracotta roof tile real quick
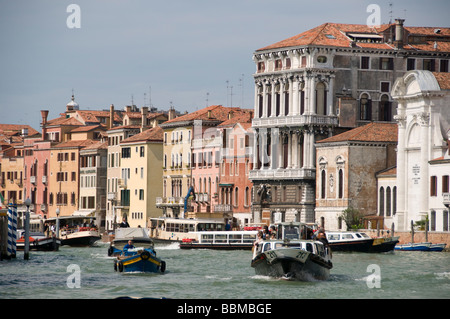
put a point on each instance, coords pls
(443, 79)
(154, 134)
(339, 35)
(211, 113)
(372, 132)
(13, 129)
(80, 144)
(63, 120)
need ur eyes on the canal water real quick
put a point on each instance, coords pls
(87, 273)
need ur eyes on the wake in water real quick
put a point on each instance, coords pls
(171, 246)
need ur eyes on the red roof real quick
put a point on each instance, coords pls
(154, 134)
(372, 132)
(343, 35)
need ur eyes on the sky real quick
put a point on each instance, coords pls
(185, 53)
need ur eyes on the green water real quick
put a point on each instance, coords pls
(211, 274)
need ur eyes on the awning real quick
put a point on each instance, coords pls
(226, 184)
(84, 213)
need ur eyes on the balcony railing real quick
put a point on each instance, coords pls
(222, 208)
(298, 120)
(446, 199)
(169, 201)
(287, 173)
(33, 179)
(44, 179)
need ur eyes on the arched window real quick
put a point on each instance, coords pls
(394, 200)
(246, 197)
(388, 201)
(236, 196)
(384, 110)
(341, 184)
(381, 201)
(323, 184)
(365, 107)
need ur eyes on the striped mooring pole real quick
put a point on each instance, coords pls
(12, 230)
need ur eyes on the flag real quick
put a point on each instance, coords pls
(1, 200)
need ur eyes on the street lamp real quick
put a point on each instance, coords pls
(57, 222)
(26, 254)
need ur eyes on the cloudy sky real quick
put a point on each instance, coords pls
(185, 52)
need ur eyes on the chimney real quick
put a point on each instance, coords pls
(128, 108)
(144, 112)
(111, 116)
(399, 33)
(230, 115)
(44, 115)
(209, 114)
(171, 113)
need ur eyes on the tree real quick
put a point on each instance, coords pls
(352, 218)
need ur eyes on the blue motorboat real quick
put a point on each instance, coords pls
(139, 260)
(426, 246)
(139, 237)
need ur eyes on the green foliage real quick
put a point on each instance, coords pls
(352, 218)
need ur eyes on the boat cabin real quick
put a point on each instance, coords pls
(224, 237)
(314, 247)
(346, 236)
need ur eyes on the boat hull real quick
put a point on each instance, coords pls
(187, 245)
(369, 245)
(80, 239)
(294, 264)
(41, 244)
(141, 262)
(421, 247)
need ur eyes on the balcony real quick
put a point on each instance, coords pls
(44, 207)
(298, 120)
(122, 183)
(446, 199)
(33, 179)
(44, 179)
(169, 202)
(222, 208)
(283, 173)
(111, 196)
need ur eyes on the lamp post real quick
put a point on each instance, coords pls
(26, 254)
(57, 222)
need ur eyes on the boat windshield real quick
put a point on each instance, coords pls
(291, 232)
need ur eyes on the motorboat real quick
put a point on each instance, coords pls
(223, 240)
(293, 255)
(81, 236)
(354, 241)
(38, 241)
(139, 260)
(303, 260)
(424, 246)
(169, 230)
(77, 231)
(139, 237)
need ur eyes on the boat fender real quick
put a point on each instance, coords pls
(110, 250)
(115, 265)
(145, 255)
(163, 266)
(120, 266)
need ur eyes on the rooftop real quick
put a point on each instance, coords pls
(363, 36)
(154, 134)
(372, 132)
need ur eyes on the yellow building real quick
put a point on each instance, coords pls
(140, 185)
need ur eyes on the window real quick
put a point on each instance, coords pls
(322, 59)
(388, 201)
(323, 186)
(433, 186)
(141, 153)
(381, 199)
(141, 194)
(278, 65)
(443, 66)
(428, 64)
(411, 64)
(386, 63)
(365, 60)
(261, 67)
(321, 99)
(365, 108)
(445, 184)
(341, 184)
(126, 153)
(384, 113)
(385, 86)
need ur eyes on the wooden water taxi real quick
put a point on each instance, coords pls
(139, 237)
(139, 260)
(359, 242)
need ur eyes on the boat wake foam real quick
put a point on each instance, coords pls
(171, 246)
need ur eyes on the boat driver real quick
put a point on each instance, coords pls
(129, 245)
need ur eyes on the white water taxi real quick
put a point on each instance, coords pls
(226, 240)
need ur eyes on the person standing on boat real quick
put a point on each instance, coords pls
(124, 223)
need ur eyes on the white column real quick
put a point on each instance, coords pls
(401, 214)
(424, 158)
(264, 100)
(312, 95)
(330, 96)
(273, 102)
(282, 84)
(256, 102)
(291, 90)
(289, 165)
(255, 149)
(280, 150)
